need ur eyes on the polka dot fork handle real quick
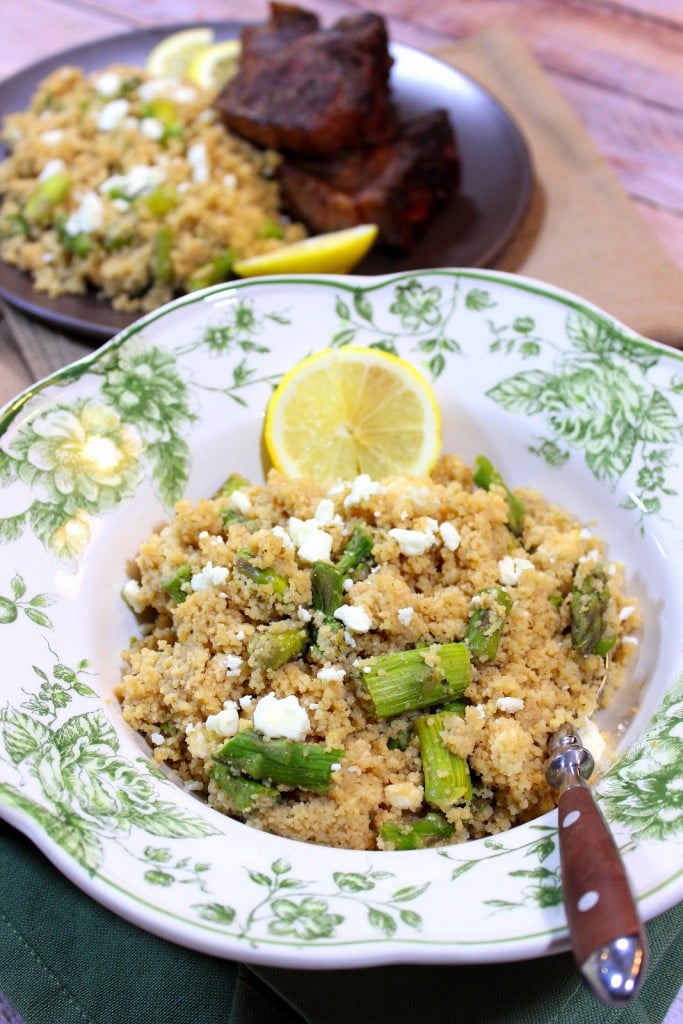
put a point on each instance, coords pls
(607, 936)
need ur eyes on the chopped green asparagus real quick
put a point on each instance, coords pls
(263, 577)
(446, 776)
(418, 678)
(79, 244)
(487, 476)
(490, 609)
(401, 740)
(589, 602)
(288, 763)
(162, 264)
(233, 483)
(219, 269)
(14, 224)
(270, 229)
(175, 586)
(40, 205)
(414, 835)
(161, 200)
(275, 646)
(245, 793)
(357, 550)
(326, 588)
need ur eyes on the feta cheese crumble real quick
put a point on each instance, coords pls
(199, 163)
(138, 181)
(312, 543)
(240, 502)
(210, 576)
(233, 664)
(107, 84)
(354, 618)
(362, 488)
(510, 569)
(111, 115)
(450, 536)
(281, 534)
(510, 704)
(88, 217)
(413, 542)
(226, 722)
(51, 168)
(281, 719)
(331, 674)
(405, 615)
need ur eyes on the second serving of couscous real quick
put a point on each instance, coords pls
(127, 187)
(377, 664)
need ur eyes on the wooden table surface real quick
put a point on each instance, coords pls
(619, 63)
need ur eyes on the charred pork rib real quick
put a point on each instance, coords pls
(308, 90)
(399, 185)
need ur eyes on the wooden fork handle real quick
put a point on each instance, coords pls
(607, 937)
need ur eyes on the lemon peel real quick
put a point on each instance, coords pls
(343, 412)
(335, 252)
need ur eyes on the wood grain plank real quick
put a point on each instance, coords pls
(667, 227)
(40, 27)
(644, 144)
(606, 43)
(668, 11)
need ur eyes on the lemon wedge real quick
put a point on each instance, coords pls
(333, 253)
(343, 412)
(173, 55)
(215, 65)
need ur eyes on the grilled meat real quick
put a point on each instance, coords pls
(309, 90)
(287, 23)
(398, 185)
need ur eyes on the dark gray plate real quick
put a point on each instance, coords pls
(495, 187)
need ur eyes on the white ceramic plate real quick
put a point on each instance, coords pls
(556, 393)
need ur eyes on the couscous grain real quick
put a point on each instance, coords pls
(239, 648)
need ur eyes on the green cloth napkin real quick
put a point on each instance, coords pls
(64, 959)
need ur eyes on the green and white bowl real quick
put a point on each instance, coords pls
(559, 395)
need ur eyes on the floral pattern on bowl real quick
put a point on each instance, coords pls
(557, 393)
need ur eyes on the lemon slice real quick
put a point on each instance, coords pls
(171, 57)
(333, 253)
(342, 412)
(215, 65)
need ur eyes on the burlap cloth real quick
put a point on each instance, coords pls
(581, 233)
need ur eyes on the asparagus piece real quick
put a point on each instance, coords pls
(174, 586)
(233, 483)
(161, 200)
(275, 646)
(401, 740)
(219, 269)
(487, 476)
(80, 244)
(589, 601)
(290, 763)
(162, 264)
(357, 550)
(244, 793)
(326, 588)
(418, 678)
(327, 579)
(486, 622)
(262, 577)
(270, 229)
(414, 835)
(40, 205)
(447, 777)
